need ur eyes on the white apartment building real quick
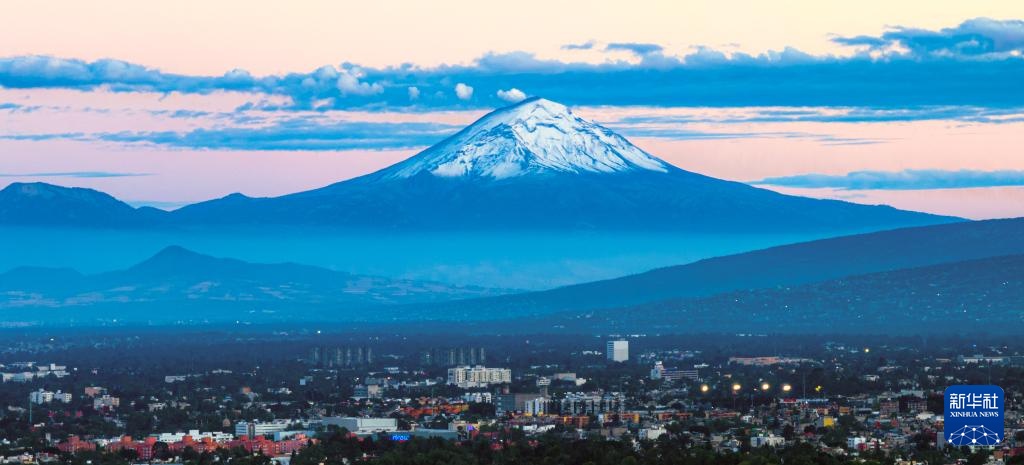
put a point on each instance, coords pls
(769, 440)
(105, 401)
(578, 403)
(45, 397)
(478, 376)
(260, 428)
(195, 434)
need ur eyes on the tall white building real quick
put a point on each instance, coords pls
(478, 376)
(617, 351)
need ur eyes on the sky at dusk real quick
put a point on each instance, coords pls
(915, 104)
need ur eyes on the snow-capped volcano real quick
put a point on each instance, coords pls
(533, 136)
(535, 165)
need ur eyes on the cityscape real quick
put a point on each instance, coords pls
(782, 232)
(824, 399)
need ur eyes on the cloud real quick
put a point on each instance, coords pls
(857, 41)
(679, 131)
(349, 83)
(976, 63)
(43, 71)
(414, 93)
(835, 115)
(632, 47)
(584, 46)
(512, 95)
(972, 38)
(73, 174)
(463, 92)
(901, 180)
(290, 134)
(296, 134)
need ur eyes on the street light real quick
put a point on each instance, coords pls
(704, 388)
(765, 386)
(736, 387)
(786, 387)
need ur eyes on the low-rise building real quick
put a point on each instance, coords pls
(363, 425)
(45, 397)
(530, 403)
(194, 435)
(767, 440)
(106, 401)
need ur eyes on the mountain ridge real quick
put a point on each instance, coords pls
(792, 264)
(533, 165)
(979, 296)
(39, 203)
(188, 281)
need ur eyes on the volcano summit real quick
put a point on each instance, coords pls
(536, 165)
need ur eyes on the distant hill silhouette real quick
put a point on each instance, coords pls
(984, 296)
(786, 265)
(42, 204)
(192, 285)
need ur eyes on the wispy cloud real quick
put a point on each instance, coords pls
(583, 46)
(976, 63)
(285, 134)
(901, 180)
(295, 134)
(634, 47)
(976, 114)
(72, 174)
(676, 128)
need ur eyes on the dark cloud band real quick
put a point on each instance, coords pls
(977, 63)
(901, 180)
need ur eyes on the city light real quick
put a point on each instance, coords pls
(704, 388)
(786, 387)
(765, 386)
(736, 387)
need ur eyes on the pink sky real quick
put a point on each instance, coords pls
(204, 37)
(752, 151)
(61, 131)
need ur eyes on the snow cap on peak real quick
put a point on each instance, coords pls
(532, 104)
(533, 136)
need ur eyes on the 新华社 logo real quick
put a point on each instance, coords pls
(974, 415)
